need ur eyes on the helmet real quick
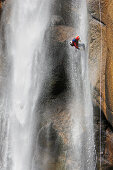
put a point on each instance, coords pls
(77, 38)
(70, 42)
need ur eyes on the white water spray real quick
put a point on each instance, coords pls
(25, 31)
(83, 153)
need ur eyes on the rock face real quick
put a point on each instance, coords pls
(109, 146)
(100, 49)
(109, 63)
(102, 61)
(97, 52)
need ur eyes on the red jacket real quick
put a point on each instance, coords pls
(75, 41)
(76, 44)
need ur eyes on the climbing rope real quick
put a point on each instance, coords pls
(100, 83)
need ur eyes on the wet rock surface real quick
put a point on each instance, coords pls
(103, 141)
(109, 64)
(109, 146)
(53, 140)
(101, 38)
(101, 31)
(97, 52)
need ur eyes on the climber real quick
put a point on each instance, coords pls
(76, 44)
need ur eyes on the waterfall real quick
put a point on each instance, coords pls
(83, 149)
(25, 67)
(24, 31)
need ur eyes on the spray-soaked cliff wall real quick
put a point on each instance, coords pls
(61, 30)
(106, 60)
(101, 32)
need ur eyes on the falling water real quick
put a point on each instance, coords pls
(23, 50)
(24, 30)
(82, 140)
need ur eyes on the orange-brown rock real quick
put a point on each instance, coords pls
(109, 146)
(109, 63)
(0, 4)
(97, 60)
(97, 52)
(101, 62)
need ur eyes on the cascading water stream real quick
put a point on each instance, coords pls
(83, 149)
(25, 50)
(25, 53)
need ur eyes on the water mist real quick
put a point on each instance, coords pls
(25, 27)
(83, 149)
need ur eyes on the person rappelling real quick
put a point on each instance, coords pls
(76, 43)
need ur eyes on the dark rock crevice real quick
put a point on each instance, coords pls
(98, 20)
